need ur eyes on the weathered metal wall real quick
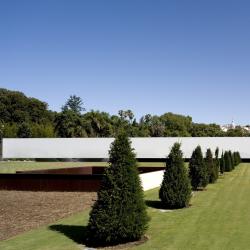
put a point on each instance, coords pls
(97, 148)
(87, 179)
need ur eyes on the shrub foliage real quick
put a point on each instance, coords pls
(211, 167)
(119, 214)
(217, 163)
(222, 163)
(197, 170)
(228, 162)
(175, 191)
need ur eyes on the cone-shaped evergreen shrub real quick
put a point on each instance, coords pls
(222, 163)
(210, 166)
(231, 159)
(217, 163)
(235, 158)
(175, 191)
(197, 170)
(238, 157)
(119, 214)
(227, 161)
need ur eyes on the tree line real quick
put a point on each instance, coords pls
(25, 117)
(178, 181)
(119, 214)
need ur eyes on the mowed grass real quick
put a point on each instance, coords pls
(13, 166)
(219, 218)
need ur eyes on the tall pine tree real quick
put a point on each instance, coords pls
(119, 214)
(197, 170)
(175, 191)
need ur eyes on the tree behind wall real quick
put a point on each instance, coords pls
(23, 130)
(75, 104)
(197, 170)
(119, 214)
(175, 191)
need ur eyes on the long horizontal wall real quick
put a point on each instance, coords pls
(97, 148)
(67, 182)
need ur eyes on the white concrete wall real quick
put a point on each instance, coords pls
(151, 180)
(158, 147)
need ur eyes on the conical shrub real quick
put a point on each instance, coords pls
(227, 160)
(231, 159)
(217, 163)
(175, 191)
(222, 163)
(210, 166)
(119, 214)
(197, 170)
(238, 157)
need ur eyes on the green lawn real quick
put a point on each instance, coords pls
(219, 218)
(13, 166)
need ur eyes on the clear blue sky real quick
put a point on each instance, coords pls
(187, 57)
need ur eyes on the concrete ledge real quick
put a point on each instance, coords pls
(151, 180)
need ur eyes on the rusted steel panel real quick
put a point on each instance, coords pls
(51, 182)
(67, 179)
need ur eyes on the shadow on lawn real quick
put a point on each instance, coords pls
(154, 204)
(75, 233)
(158, 205)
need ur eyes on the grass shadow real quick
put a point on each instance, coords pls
(157, 204)
(76, 233)
(154, 204)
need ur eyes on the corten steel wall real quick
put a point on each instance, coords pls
(42, 182)
(86, 179)
(97, 148)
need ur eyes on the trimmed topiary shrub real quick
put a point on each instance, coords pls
(222, 163)
(212, 175)
(197, 170)
(175, 191)
(235, 159)
(119, 214)
(227, 160)
(238, 158)
(217, 163)
(231, 159)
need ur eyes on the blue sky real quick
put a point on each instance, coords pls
(187, 57)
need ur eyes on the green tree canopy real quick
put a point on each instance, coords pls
(74, 104)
